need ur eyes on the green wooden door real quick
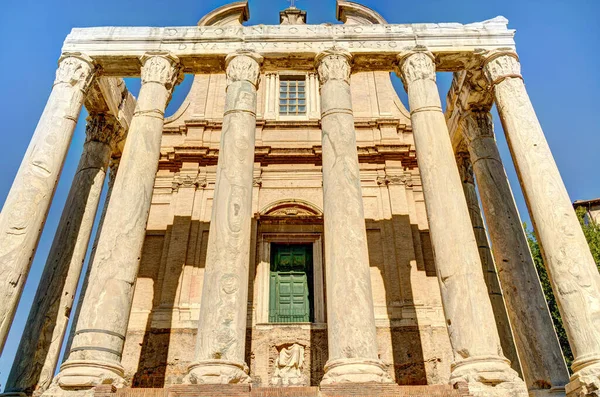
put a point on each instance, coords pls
(290, 297)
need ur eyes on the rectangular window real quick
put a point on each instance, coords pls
(292, 96)
(291, 284)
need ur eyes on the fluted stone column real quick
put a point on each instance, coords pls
(573, 273)
(98, 341)
(487, 261)
(352, 338)
(37, 355)
(221, 342)
(26, 207)
(541, 357)
(478, 357)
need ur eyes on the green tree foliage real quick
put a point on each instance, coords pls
(591, 230)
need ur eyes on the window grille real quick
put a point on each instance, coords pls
(292, 96)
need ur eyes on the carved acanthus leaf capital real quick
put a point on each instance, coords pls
(243, 65)
(75, 69)
(161, 67)
(477, 124)
(465, 168)
(103, 128)
(499, 65)
(418, 64)
(334, 64)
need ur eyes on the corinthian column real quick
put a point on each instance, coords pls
(350, 315)
(573, 273)
(26, 207)
(220, 347)
(37, 356)
(543, 365)
(478, 358)
(97, 344)
(465, 170)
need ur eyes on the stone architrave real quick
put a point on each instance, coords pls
(353, 355)
(26, 207)
(97, 344)
(220, 346)
(478, 357)
(40, 346)
(487, 261)
(544, 367)
(573, 273)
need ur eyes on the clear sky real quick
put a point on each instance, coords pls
(558, 42)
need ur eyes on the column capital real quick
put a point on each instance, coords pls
(476, 124)
(243, 65)
(103, 128)
(161, 67)
(501, 64)
(465, 167)
(334, 64)
(75, 69)
(416, 64)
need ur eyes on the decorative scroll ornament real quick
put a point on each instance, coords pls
(75, 69)
(243, 66)
(500, 65)
(186, 181)
(334, 64)
(416, 65)
(477, 124)
(103, 128)
(162, 68)
(394, 180)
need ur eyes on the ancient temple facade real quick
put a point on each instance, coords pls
(294, 229)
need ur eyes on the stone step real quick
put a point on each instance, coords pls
(340, 390)
(392, 390)
(285, 392)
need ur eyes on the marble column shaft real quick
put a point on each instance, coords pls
(220, 347)
(98, 341)
(353, 354)
(541, 356)
(573, 273)
(478, 357)
(39, 349)
(487, 261)
(26, 207)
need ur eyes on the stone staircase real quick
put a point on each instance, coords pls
(341, 390)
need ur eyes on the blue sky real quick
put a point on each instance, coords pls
(558, 43)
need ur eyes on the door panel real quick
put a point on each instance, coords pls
(291, 283)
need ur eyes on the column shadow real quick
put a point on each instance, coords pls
(411, 252)
(184, 240)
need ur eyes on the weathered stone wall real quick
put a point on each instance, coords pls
(412, 337)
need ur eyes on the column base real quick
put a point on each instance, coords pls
(355, 370)
(83, 375)
(217, 372)
(488, 376)
(585, 382)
